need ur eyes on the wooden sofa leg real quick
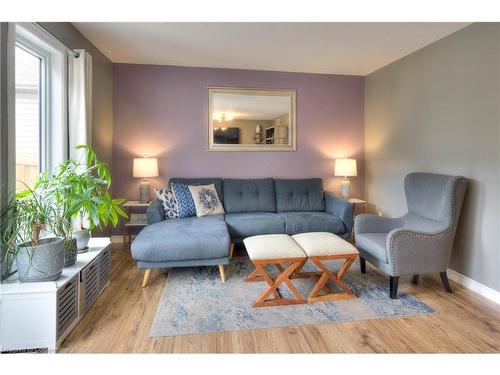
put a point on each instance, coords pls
(414, 279)
(146, 277)
(231, 250)
(222, 274)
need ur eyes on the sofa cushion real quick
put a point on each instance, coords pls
(206, 200)
(182, 239)
(373, 244)
(302, 222)
(184, 199)
(249, 195)
(199, 181)
(168, 201)
(300, 195)
(242, 225)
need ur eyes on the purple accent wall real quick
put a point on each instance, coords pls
(162, 111)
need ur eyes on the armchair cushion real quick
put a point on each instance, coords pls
(373, 245)
(367, 223)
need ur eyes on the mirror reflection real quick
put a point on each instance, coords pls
(251, 119)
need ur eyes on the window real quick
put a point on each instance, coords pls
(41, 129)
(28, 124)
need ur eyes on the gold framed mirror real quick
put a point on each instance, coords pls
(251, 119)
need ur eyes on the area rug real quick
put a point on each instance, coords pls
(195, 301)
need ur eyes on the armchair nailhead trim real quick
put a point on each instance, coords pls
(426, 235)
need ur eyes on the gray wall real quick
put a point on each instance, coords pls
(437, 110)
(102, 86)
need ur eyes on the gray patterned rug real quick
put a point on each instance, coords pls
(196, 301)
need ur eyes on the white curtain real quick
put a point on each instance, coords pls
(80, 116)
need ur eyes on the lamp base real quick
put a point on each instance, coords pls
(144, 191)
(345, 188)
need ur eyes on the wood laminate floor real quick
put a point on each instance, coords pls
(120, 319)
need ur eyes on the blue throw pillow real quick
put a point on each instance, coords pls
(185, 202)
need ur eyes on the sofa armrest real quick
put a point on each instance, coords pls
(155, 212)
(413, 252)
(367, 223)
(341, 208)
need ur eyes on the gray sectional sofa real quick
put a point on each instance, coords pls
(253, 207)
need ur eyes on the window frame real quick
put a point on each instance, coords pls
(43, 96)
(53, 91)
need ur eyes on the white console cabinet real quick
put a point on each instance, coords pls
(41, 315)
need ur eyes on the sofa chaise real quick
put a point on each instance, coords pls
(252, 207)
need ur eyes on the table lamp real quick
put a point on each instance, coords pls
(143, 168)
(345, 168)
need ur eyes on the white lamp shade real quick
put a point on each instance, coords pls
(145, 167)
(346, 167)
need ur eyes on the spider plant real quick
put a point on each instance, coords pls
(26, 221)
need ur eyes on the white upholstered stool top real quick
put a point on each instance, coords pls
(273, 246)
(323, 244)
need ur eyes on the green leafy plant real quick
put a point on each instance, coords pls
(28, 216)
(74, 190)
(80, 190)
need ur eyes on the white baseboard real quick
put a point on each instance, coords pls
(475, 286)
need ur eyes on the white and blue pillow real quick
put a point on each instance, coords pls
(168, 201)
(185, 202)
(206, 200)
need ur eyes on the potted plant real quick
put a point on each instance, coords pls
(80, 191)
(27, 220)
(7, 238)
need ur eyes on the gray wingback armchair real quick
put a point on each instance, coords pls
(420, 241)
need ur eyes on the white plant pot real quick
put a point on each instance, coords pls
(82, 240)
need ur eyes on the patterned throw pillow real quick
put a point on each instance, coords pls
(185, 203)
(206, 200)
(167, 199)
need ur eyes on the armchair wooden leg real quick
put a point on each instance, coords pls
(222, 274)
(362, 264)
(446, 284)
(393, 286)
(231, 250)
(146, 278)
(414, 279)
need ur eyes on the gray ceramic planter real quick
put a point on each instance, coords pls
(70, 252)
(82, 240)
(43, 262)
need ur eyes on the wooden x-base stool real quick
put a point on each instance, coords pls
(325, 275)
(320, 247)
(283, 252)
(260, 274)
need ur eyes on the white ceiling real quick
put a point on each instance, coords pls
(333, 48)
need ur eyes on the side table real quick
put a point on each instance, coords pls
(359, 205)
(359, 208)
(136, 221)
